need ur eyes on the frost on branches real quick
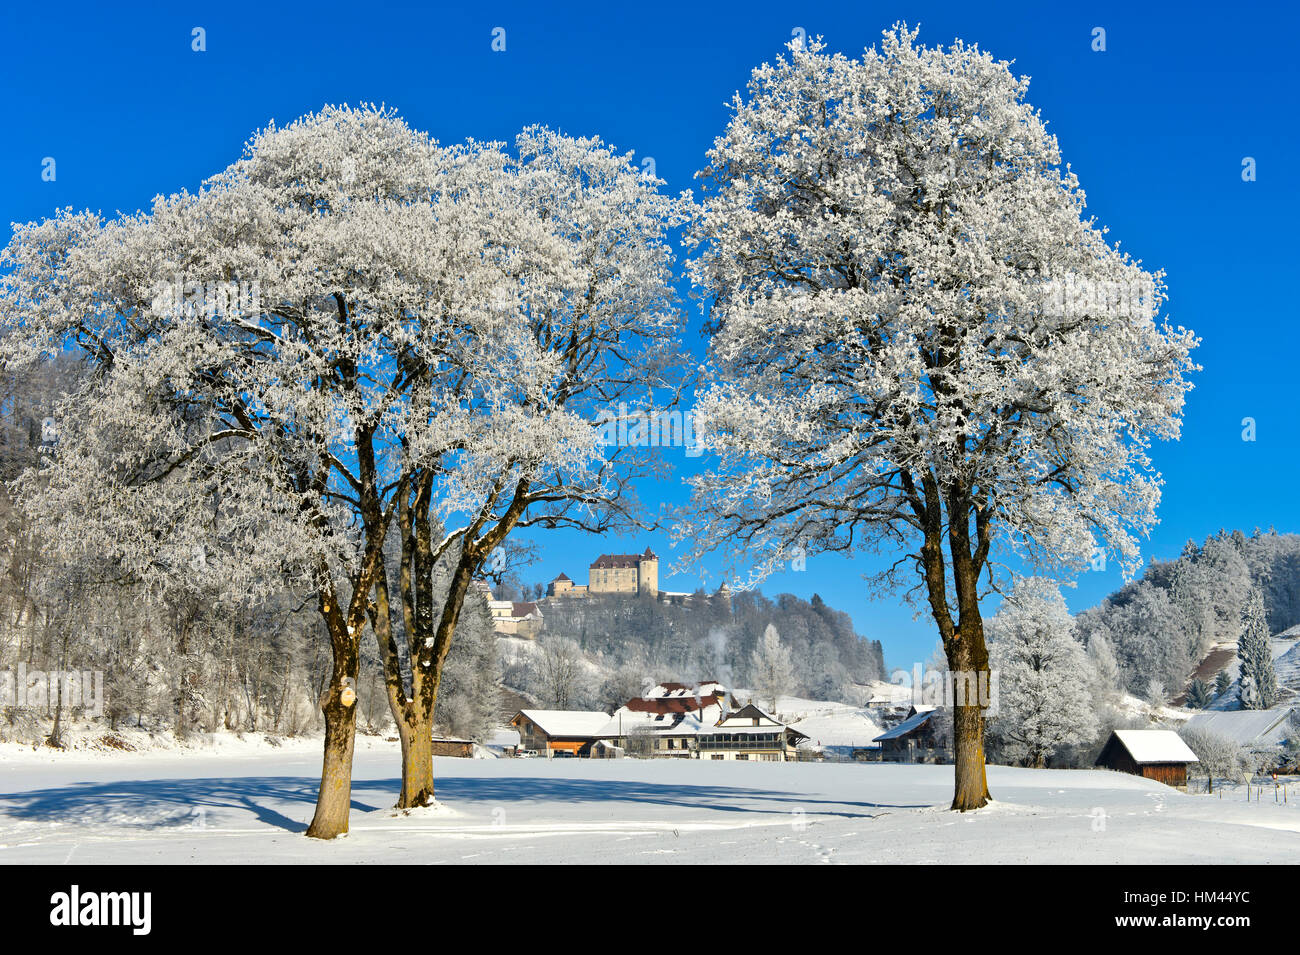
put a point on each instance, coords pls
(350, 332)
(1044, 675)
(919, 342)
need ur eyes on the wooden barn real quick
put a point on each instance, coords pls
(1154, 754)
(448, 746)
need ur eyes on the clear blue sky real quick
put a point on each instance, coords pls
(1156, 127)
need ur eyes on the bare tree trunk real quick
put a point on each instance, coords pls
(284, 695)
(334, 801)
(338, 704)
(971, 788)
(971, 784)
(968, 653)
(339, 697)
(413, 717)
(417, 764)
(963, 639)
(182, 648)
(56, 735)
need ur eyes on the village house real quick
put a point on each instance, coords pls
(513, 618)
(673, 720)
(749, 734)
(1154, 754)
(517, 618)
(667, 720)
(915, 740)
(551, 731)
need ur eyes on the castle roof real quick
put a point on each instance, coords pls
(563, 576)
(606, 561)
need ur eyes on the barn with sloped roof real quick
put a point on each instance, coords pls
(1153, 754)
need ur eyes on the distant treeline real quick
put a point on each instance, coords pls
(707, 637)
(1162, 624)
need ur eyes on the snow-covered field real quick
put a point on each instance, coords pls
(250, 804)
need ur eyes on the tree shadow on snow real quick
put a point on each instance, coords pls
(189, 803)
(516, 789)
(167, 803)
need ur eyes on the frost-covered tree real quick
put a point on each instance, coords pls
(771, 669)
(236, 332)
(350, 330)
(1155, 691)
(1148, 632)
(628, 681)
(1106, 679)
(919, 341)
(1218, 757)
(469, 694)
(560, 672)
(1255, 658)
(1044, 703)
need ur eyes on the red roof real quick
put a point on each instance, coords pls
(521, 609)
(673, 704)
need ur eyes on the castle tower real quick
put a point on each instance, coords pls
(647, 574)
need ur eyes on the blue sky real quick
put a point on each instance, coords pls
(1157, 127)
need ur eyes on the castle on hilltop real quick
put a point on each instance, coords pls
(625, 575)
(629, 574)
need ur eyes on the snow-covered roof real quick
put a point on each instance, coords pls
(568, 722)
(913, 722)
(627, 720)
(749, 719)
(1245, 727)
(751, 715)
(1156, 746)
(688, 691)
